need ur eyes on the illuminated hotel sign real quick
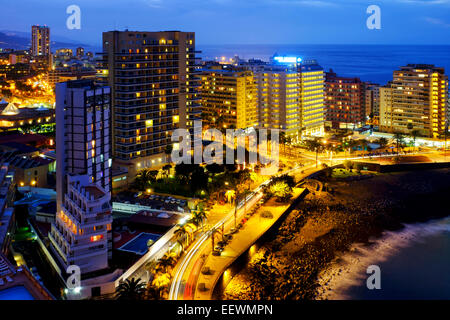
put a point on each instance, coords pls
(288, 59)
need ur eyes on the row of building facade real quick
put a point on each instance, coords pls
(301, 99)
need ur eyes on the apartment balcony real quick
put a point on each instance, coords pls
(117, 76)
(60, 235)
(142, 99)
(87, 254)
(134, 84)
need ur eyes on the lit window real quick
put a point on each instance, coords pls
(96, 238)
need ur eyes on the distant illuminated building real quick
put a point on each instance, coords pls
(40, 41)
(64, 52)
(312, 98)
(416, 100)
(290, 95)
(372, 103)
(344, 101)
(278, 89)
(73, 72)
(13, 117)
(80, 52)
(230, 96)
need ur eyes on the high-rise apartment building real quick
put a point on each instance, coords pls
(291, 96)
(344, 101)
(372, 102)
(80, 52)
(81, 234)
(154, 90)
(385, 108)
(278, 89)
(418, 101)
(229, 98)
(40, 41)
(312, 98)
(82, 134)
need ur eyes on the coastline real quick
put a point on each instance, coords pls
(326, 231)
(347, 270)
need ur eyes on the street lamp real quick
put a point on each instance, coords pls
(317, 155)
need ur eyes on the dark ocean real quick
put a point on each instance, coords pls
(373, 63)
(414, 264)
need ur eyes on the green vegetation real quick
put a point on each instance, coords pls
(280, 188)
(133, 289)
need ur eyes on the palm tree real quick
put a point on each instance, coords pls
(181, 233)
(213, 235)
(202, 215)
(154, 293)
(194, 221)
(363, 143)
(316, 146)
(415, 134)
(283, 141)
(288, 141)
(197, 218)
(181, 243)
(382, 142)
(144, 178)
(165, 263)
(131, 290)
(400, 140)
(159, 285)
(168, 150)
(166, 170)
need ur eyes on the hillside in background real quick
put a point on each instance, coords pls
(22, 40)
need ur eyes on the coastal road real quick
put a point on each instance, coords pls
(188, 269)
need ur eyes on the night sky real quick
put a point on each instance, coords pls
(242, 21)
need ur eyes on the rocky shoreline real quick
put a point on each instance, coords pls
(322, 227)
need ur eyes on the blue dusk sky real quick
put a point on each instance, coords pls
(242, 21)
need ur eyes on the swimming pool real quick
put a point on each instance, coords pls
(16, 293)
(138, 244)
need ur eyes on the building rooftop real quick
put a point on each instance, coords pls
(94, 191)
(83, 84)
(23, 162)
(27, 138)
(422, 66)
(21, 148)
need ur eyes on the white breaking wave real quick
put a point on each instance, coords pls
(349, 268)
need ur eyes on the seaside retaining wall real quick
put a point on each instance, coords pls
(386, 168)
(245, 257)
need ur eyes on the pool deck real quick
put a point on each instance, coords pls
(21, 276)
(134, 238)
(25, 279)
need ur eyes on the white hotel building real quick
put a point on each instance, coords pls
(81, 234)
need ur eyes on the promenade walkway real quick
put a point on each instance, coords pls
(252, 230)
